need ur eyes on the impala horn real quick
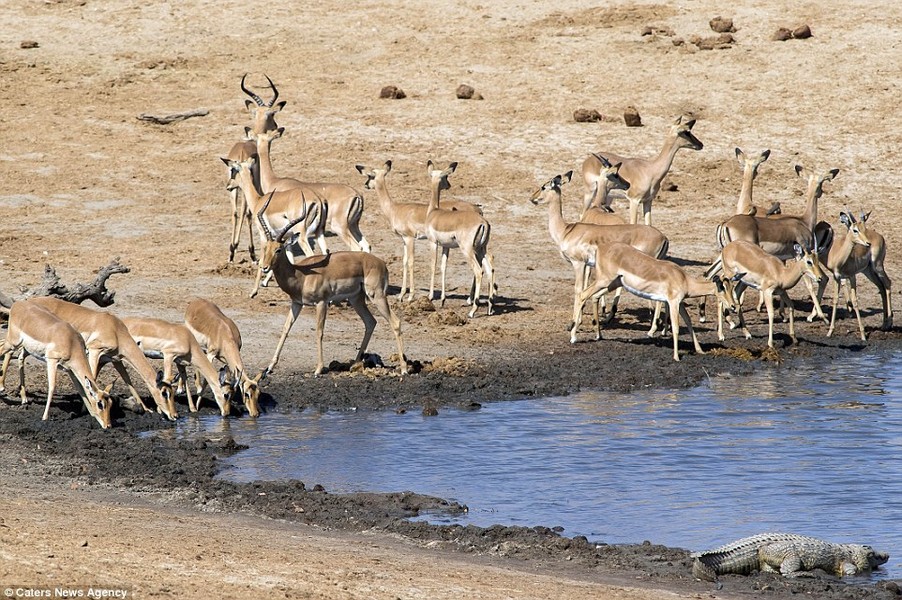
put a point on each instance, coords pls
(253, 96)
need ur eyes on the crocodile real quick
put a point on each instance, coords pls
(786, 553)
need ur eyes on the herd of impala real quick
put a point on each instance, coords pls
(768, 251)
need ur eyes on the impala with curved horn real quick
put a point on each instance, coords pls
(262, 112)
(323, 279)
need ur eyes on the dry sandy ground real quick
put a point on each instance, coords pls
(103, 540)
(83, 180)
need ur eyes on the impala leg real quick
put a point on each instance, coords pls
(720, 310)
(123, 373)
(674, 310)
(836, 284)
(475, 261)
(369, 323)
(815, 298)
(321, 309)
(884, 285)
(51, 386)
(818, 299)
(293, 313)
(381, 304)
(634, 210)
(685, 314)
(488, 267)
(22, 394)
(193, 405)
(236, 224)
(432, 277)
(407, 267)
(646, 211)
(7, 352)
(853, 295)
(580, 276)
(445, 252)
(787, 301)
(769, 304)
(257, 280)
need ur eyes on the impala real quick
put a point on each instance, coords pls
(861, 250)
(467, 230)
(644, 175)
(578, 241)
(620, 264)
(769, 274)
(599, 210)
(749, 166)
(406, 219)
(262, 112)
(36, 331)
(343, 204)
(295, 205)
(219, 336)
(107, 340)
(324, 279)
(744, 205)
(176, 345)
(240, 212)
(778, 234)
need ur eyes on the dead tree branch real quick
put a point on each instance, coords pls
(167, 119)
(95, 291)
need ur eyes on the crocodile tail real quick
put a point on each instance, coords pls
(702, 570)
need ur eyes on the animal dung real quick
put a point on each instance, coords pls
(631, 117)
(466, 92)
(393, 92)
(802, 32)
(586, 115)
(722, 25)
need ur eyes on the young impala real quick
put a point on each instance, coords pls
(38, 332)
(219, 337)
(321, 280)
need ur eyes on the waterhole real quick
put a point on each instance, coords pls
(810, 449)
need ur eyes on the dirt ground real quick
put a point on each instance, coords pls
(83, 180)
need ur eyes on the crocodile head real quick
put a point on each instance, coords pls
(867, 559)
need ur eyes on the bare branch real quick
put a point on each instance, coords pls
(167, 119)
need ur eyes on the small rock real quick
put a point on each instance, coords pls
(782, 34)
(28, 44)
(84, 544)
(466, 92)
(586, 115)
(722, 25)
(631, 117)
(393, 92)
(802, 32)
(430, 411)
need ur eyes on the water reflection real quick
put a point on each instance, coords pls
(792, 449)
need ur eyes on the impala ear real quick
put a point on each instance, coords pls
(690, 124)
(360, 169)
(737, 277)
(249, 133)
(845, 219)
(159, 378)
(799, 251)
(833, 174)
(765, 155)
(799, 169)
(228, 162)
(387, 166)
(279, 132)
(565, 178)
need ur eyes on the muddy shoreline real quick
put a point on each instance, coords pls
(74, 448)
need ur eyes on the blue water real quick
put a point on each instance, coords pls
(795, 449)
